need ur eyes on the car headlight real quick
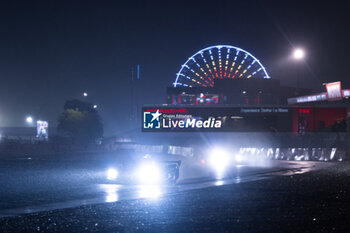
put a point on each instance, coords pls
(112, 174)
(219, 159)
(239, 157)
(149, 173)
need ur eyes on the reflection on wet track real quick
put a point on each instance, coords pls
(42, 197)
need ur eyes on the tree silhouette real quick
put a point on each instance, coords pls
(80, 122)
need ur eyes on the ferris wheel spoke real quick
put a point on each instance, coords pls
(202, 74)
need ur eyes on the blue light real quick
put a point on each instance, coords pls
(245, 57)
(138, 71)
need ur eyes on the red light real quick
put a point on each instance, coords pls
(302, 110)
(169, 110)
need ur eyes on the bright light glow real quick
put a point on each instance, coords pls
(334, 150)
(219, 159)
(112, 174)
(29, 119)
(111, 191)
(95, 106)
(149, 191)
(85, 94)
(298, 54)
(239, 158)
(298, 158)
(219, 183)
(112, 197)
(149, 173)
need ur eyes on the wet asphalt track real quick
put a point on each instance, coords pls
(33, 185)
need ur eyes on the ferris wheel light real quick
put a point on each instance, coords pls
(207, 72)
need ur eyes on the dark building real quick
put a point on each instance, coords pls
(236, 91)
(307, 111)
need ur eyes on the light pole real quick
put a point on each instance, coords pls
(298, 55)
(29, 121)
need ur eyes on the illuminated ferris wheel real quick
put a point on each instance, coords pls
(218, 62)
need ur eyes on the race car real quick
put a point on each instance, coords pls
(144, 171)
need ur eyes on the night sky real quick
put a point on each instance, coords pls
(51, 51)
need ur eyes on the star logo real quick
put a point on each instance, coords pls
(151, 119)
(156, 115)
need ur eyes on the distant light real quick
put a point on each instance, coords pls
(298, 54)
(138, 71)
(244, 92)
(95, 106)
(112, 174)
(29, 120)
(85, 94)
